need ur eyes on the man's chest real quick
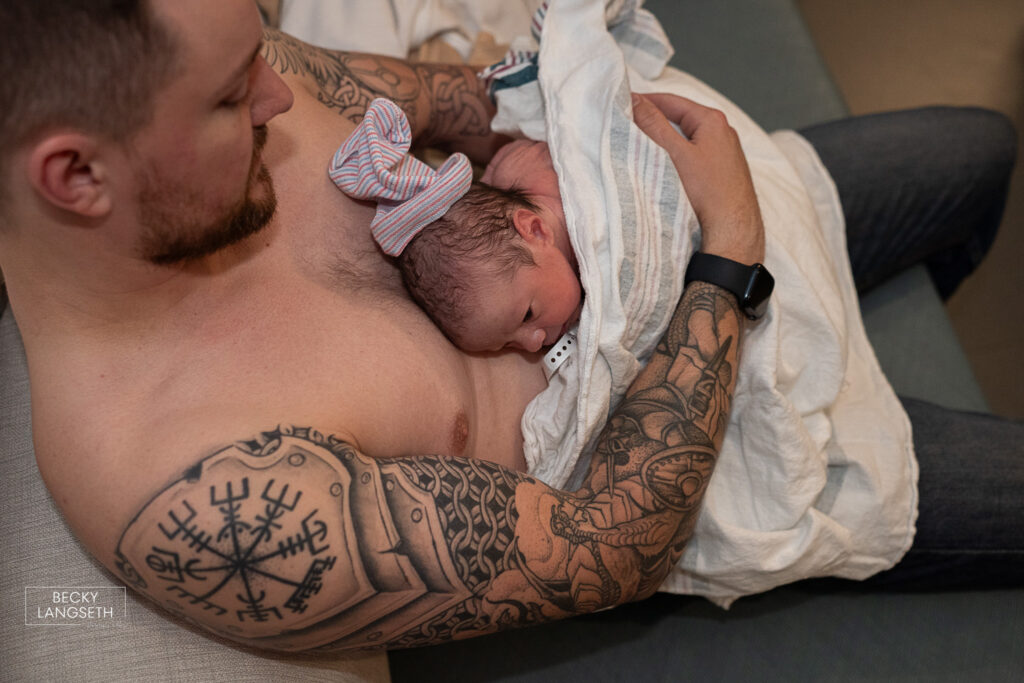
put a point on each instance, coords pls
(369, 369)
(394, 391)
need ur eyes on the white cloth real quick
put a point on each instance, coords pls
(395, 27)
(817, 473)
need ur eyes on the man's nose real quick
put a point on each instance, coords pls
(271, 96)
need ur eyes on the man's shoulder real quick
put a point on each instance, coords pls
(245, 539)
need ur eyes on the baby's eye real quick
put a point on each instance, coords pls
(529, 315)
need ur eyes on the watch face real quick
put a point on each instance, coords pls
(756, 312)
(759, 289)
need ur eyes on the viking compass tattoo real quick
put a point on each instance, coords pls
(257, 556)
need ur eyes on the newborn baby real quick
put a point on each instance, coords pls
(497, 269)
(490, 262)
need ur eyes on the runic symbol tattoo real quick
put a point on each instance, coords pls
(274, 510)
(228, 550)
(312, 531)
(196, 539)
(196, 599)
(310, 585)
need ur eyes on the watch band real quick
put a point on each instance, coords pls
(751, 285)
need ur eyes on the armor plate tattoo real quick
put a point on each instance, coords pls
(232, 543)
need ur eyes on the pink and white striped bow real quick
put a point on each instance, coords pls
(374, 164)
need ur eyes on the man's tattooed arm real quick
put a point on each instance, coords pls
(295, 540)
(446, 104)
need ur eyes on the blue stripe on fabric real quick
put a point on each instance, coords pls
(526, 75)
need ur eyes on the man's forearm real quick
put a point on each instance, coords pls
(641, 498)
(446, 104)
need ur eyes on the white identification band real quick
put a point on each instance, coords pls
(562, 351)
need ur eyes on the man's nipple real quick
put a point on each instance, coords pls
(460, 434)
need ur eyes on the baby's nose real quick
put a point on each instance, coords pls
(532, 340)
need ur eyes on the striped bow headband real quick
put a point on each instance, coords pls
(374, 164)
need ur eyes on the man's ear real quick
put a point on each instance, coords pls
(67, 170)
(531, 227)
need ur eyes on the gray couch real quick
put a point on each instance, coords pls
(757, 52)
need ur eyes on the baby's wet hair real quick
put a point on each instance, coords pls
(441, 267)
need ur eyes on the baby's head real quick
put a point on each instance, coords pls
(497, 268)
(493, 272)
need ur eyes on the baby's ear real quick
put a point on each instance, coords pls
(530, 226)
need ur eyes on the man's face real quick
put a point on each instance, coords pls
(532, 311)
(202, 184)
(178, 226)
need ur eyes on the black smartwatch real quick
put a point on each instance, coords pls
(752, 285)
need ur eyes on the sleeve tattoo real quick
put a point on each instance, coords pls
(443, 102)
(294, 540)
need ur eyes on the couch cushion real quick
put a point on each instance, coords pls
(758, 54)
(916, 345)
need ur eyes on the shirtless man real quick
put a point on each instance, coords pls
(246, 419)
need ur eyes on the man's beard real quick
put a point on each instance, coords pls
(175, 234)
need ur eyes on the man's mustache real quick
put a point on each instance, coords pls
(259, 139)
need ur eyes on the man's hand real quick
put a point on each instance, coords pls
(713, 169)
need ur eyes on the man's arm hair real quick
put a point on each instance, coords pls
(296, 540)
(446, 104)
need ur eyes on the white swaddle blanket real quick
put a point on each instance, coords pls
(816, 475)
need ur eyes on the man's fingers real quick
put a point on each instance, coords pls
(689, 115)
(673, 106)
(652, 121)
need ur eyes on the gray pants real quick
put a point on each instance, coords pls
(929, 186)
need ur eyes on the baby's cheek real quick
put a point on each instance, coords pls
(573, 296)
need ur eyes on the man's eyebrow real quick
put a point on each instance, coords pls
(244, 66)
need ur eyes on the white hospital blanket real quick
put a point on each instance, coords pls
(817, 474)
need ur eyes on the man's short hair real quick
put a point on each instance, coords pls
(476, 237)
(92, 65)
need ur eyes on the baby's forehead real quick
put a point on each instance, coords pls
(524, 156)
